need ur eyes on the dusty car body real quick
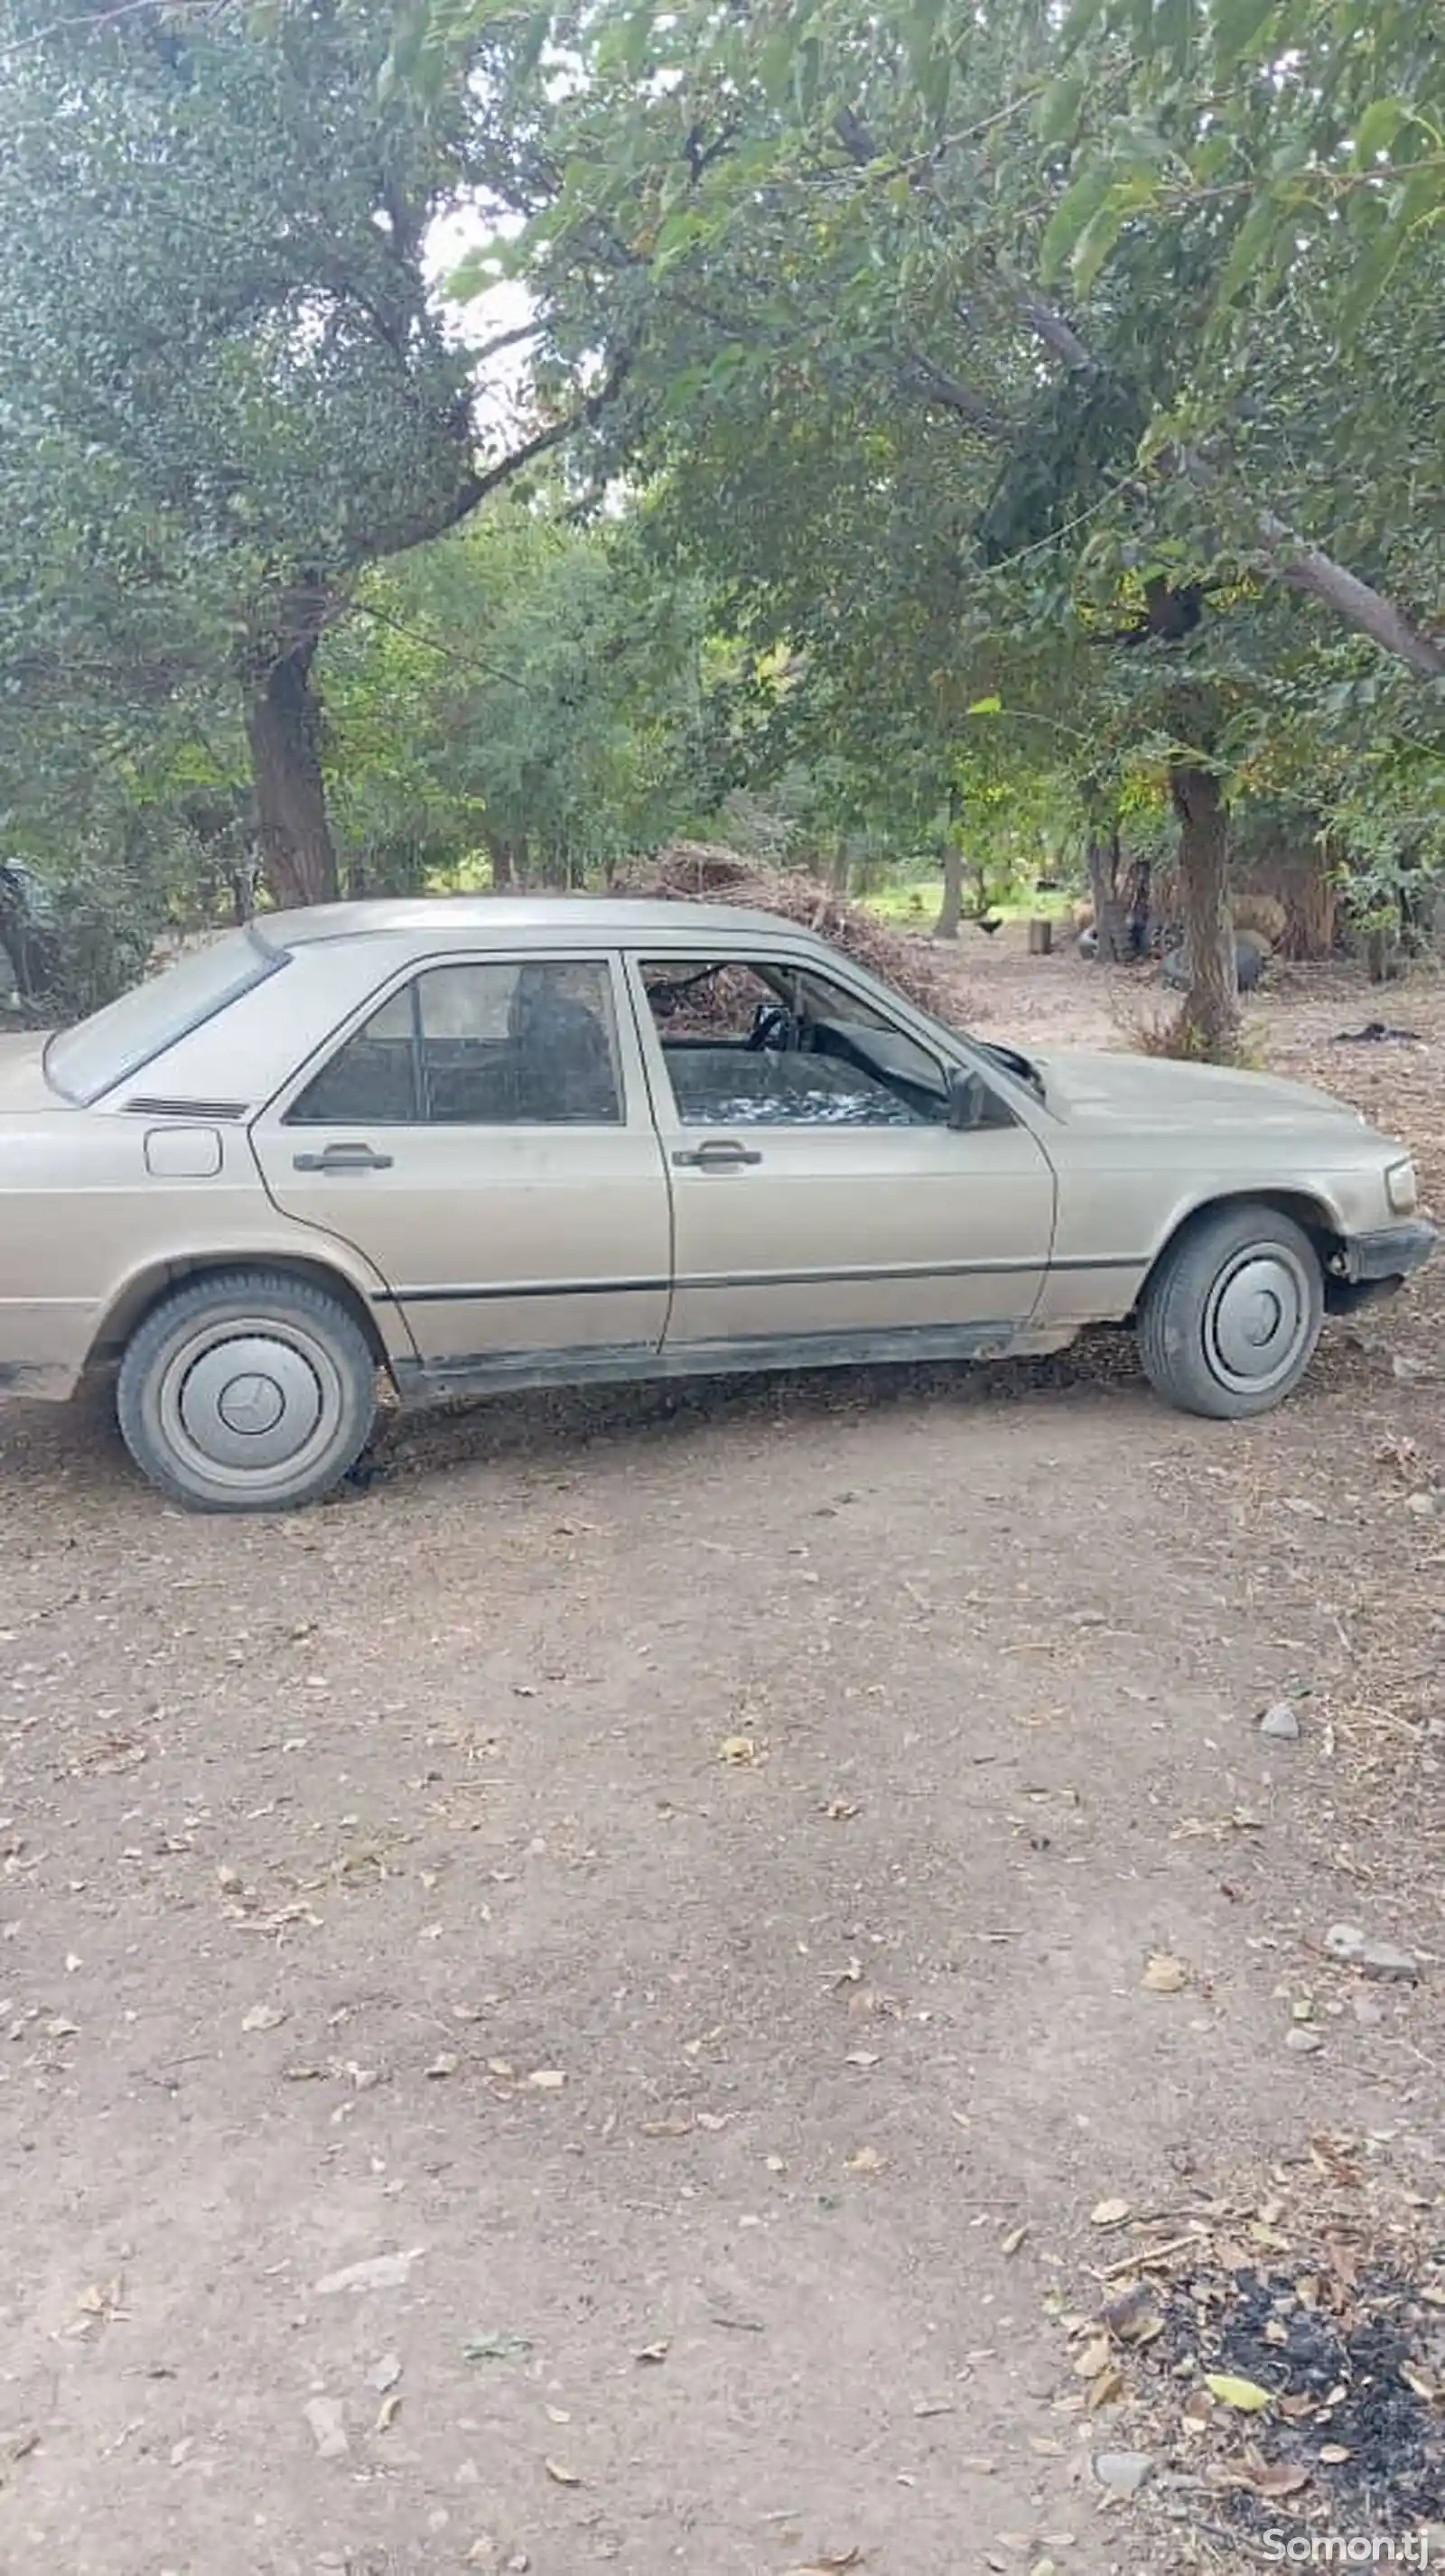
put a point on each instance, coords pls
(499, 1143)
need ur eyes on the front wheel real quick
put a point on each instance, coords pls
(1229, 1321)
(247, 1392)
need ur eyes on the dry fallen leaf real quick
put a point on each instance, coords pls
(1108, 2213)
(445, 2064)
(262, 2017)
(834, 2564)
(740, 1750)
(1332, 2453)
(1245, 2395)
(388, 2412)
(560, 2474)
(1010, 2244)
(866, 2161)
(654, 2351)
(1272, 2477)
(1094, 2357)
(1164, 1975)
(547, 2079)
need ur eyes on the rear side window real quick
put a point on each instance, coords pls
(500, 1045)
(85, 1062)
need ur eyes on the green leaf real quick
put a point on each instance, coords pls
(1411, 205)
(1378, 127)
(1250, 244)
(1238, 26)
(1078, 24)
(985, 707)
(1096, 242)
(1091, 251)
(775, 68)
(1071, 217)
(1058, 109)
(1245, 2395)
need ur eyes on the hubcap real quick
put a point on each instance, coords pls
(1258, 1319)
(250, 1402)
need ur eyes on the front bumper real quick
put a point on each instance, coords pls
(1391, 1254)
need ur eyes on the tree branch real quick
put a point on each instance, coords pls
(475, 487)
(920, 374)
(1305, 568)
(1301, 566)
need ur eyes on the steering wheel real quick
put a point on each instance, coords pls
(773, 1026)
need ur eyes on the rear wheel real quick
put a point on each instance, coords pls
(1229, 1321)
(247, 1392)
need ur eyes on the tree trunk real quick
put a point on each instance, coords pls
(1211, 1004)
(504, 872)
(283, 728)
(839, 870)
(950, 911)
(1109, 924)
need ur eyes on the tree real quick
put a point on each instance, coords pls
(527, 688)
(914, 325)
(226, 386)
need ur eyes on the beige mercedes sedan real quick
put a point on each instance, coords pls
(489, 1143)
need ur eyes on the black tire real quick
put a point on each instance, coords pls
(282, 1427)
(1229, 1320)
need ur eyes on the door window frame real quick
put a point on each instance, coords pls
(829, 969)
(634, 1096)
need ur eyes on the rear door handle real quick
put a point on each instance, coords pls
(722, 1154)
(343, 1158)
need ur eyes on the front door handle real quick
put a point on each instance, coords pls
(722, 1154)
(343, 1158)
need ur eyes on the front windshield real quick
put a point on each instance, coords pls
(85, 1062)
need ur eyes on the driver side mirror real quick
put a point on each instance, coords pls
(967, 1099)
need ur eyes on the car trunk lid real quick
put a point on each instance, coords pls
(22, 1072)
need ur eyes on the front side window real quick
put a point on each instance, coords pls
(504, 1045)
(757, 1044)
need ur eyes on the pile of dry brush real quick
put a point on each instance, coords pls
(705, 872)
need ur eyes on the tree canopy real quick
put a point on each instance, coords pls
(977, 396)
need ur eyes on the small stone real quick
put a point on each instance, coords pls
(1422, 1505)
(384, 2374)
(1380, 1959)
(1367, 2011)
(1281, 1721)
(1402, 1366)
(1304, 2040)
(327, 2419)
(377, 2272)
(1345, 1941)
(1122, 2472)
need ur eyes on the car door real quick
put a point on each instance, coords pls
(482, 1135)
(817, 1198)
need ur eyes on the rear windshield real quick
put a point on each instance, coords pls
(85, 1062)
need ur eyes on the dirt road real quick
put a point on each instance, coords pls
(670, 1886)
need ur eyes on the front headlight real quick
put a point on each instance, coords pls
(1402, 1189)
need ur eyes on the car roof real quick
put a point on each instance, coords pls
(498, 920)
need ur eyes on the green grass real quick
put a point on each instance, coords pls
(914, 903)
